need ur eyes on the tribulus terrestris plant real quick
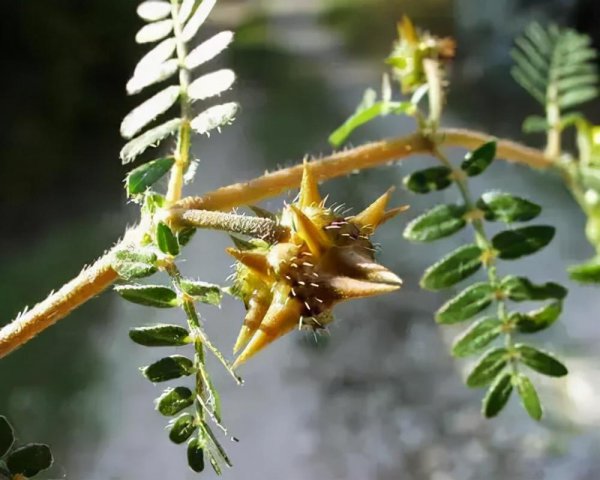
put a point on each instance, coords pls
(294, 266)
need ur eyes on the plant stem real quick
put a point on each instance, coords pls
(257, 227)
(183, 141)
(100, 275)
(484, 243)
(553, 143)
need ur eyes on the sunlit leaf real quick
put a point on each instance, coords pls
(521, 289)
(197, 19)
(160, 335)
(153, 32)
(208, 49)
(498, 395)
(215, 117)
(529, 397)
(478, 336)
(453, 268)
(155, 57)
(150, 138)
(540, 361)
(466, 304)
(202, 292)
(130, 264)
(211, 84)
(156, 296)
(145, 113)
(152, 11)
(439, 222)
(146, 175)
(151, 74)
(185, 9)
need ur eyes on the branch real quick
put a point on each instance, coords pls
(99, 276)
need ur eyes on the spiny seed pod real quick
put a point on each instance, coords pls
(325, 259)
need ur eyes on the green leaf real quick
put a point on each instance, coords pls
(160, 335)
(454, 267)
(145, 113)
(539, 319)
(153, 32)
(174, 400)
(151, 137)
(197, 19)
(195, 455)
(29, 460)
(151, 11)
(488, 367)
(535, 124)
(439, 222)
(215, 117)
(211, 84)
(131, 264)
(429, 180)
(182, 428)
(507, 208)
(208, 49)
(466, 304)
(202, 291)
(478, 160)
(478, 336)
(168, 368)
(185, 235)
(156, 296)
(365, 115)
(587, 272)
(209, 434)
(540, 361)
(498, 395)
(214, 400)
(578, 96)
(512, 244)
(7, 436)
(529, 397)
(520, 289)
(146, 175)
(166, 240)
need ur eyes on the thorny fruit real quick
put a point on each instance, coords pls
(325, 259)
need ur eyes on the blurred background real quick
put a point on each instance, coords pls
(380, 398)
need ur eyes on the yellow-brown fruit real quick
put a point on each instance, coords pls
(325, 259)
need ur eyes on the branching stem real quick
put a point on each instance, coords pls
(99, 276)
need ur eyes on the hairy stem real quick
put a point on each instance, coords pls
(258, 227)
(182, 153)
(100, 275)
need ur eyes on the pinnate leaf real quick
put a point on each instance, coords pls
(160, 335)
(439, 222)
(454, 267)
(429, 180)
(497, 395)
(208, 49)
(130, 264)
(151, 74)
(539, 319)
(488, 367)
(156, 296)
(146, 175)
(587, 272)
(195, 455)
(202, 292)
(466, 304)
(478, 336)
(507, 208)
(477, 161)
(512, 244)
